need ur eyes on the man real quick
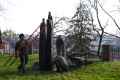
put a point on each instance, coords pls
(21, 51)
(60, 46)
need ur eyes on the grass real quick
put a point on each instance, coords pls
(96, 71)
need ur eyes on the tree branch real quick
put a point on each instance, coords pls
(109, 16)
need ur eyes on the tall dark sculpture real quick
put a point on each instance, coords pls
(45, 44)
(48, 41)
(42, 46)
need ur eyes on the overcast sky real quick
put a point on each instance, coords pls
(25, 15)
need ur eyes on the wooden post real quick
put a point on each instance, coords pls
(106, 55)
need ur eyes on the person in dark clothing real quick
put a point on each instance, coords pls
(60, 46)
(21, 52)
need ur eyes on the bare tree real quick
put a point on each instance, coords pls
(81, 31)
(58, 23)
(113, 19)
(95, 5)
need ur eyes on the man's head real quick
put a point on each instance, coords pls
(21, 36)
(43, 20)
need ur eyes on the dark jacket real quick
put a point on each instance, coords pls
(21, 46)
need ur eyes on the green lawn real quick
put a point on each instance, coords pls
(96, 71)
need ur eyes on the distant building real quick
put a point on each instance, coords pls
(107, 40)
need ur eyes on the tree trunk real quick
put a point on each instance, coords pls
(100, 43)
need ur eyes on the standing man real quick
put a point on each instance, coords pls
(21, 52)
(60, 46)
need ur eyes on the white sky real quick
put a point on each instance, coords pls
(23, 16)
(111, 6)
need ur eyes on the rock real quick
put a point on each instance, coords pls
(61, 64)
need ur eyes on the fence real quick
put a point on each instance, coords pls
(115, 53)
